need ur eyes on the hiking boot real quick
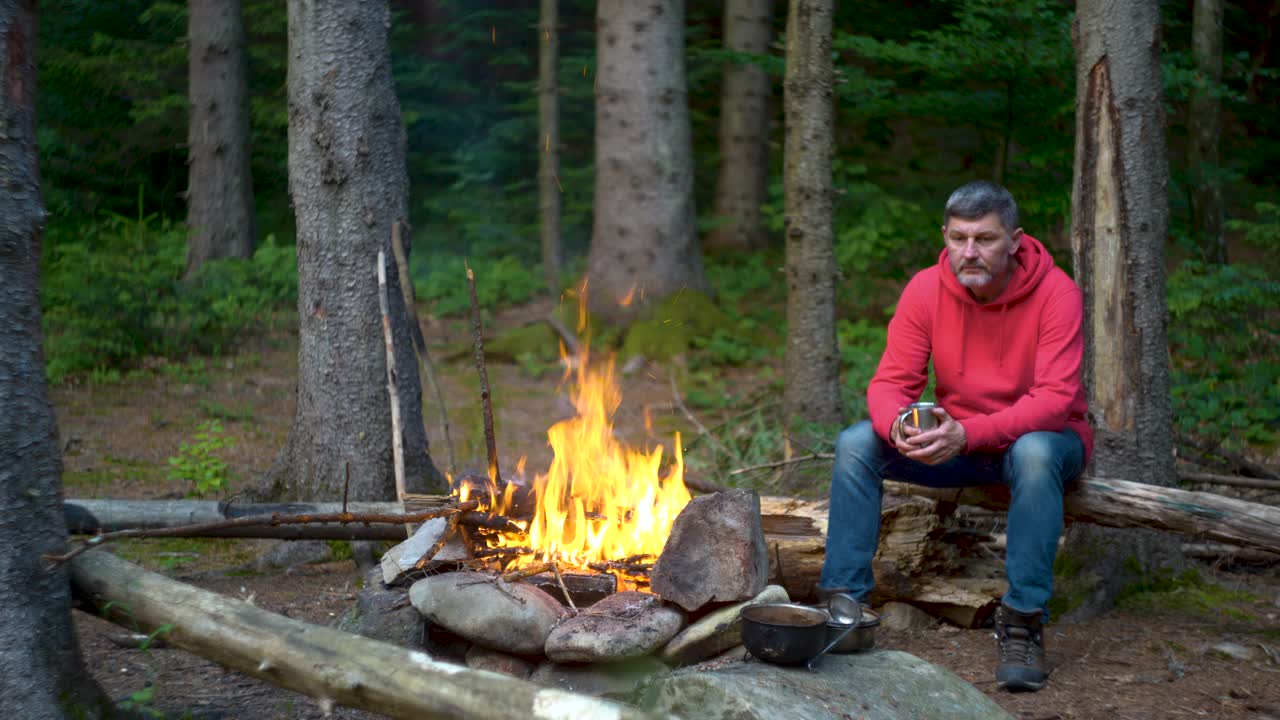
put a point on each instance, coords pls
(1021, 641)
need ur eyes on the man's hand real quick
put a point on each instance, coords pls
(935, 446)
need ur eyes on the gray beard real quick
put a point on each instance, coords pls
(973, 281)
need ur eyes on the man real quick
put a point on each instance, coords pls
(1002, 325)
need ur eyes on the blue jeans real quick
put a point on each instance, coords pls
(1036, 468)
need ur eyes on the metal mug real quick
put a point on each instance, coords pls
(919, 415)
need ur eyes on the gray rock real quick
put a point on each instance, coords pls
(289, 554)
(903, 617)
(614, 680)
(717, 631)
(1236, 651)
(876, 685)
(621, 626)
(383, 613)
(404, 557)
(479, 658)
(715, 552)
(508, 617)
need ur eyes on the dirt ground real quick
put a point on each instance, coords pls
(118, 437)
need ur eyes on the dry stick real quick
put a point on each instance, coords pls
(346, 486)
(419, 342)
(273, 519)
(1242, 462)
(503, 551)
(397, 442)
(566, 336)
(780, 463)
(675, 394)
(527, 571)
(439, 543)
(1232, 480)
(490, 443)
(560, 581)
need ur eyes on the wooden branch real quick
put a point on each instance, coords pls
(425, 365)
(1230, 480)
(331, 666)
(491, 445)
(259, 520)
(567, 337)
(1241, 462)
(449, 530)
(397, 440)
(91, 517)
(527, 571)
(702, 429)
(780, 463)
(563, 589)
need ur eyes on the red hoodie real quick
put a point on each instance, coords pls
(1003, 368)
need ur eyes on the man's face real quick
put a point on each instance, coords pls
(981, 253)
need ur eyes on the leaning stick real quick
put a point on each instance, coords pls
(273, 519)
(783, 463)
(560, 581)
(397, 442)
(688, 414)
(439, 543)
(490, 443)
(420, 343)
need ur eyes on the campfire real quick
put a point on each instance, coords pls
(600, 506)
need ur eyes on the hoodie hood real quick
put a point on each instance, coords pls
(1030, 265)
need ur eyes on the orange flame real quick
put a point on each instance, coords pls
(599, 500)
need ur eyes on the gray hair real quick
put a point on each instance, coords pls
(980, 198)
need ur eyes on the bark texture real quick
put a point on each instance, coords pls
(42, 674)
(644, 244)
(220, 217)
(1120, 221)
(549, 157)
(812, 389)
(348, 184)
(1204, 125)
(744, 131)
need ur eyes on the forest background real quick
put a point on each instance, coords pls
(929, 95)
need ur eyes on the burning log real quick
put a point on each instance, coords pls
(334, 667)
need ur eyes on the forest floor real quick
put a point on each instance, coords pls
(118, 436)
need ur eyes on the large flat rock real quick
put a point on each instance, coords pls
(876, 685)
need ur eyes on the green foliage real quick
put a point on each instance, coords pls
(1263, 232)
(1220, 314)
(501, 280)
(113, 294)
(861, 342)
(198, 461)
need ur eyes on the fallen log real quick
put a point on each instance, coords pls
(1121, 503)
(334, 667)
(92, 517)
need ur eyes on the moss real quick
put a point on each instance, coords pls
(340, 550)
(1072, 584)
(1189, 593)
(669, 328)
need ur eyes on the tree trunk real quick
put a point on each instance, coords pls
(1120, 220)
(220, 216)
(1204, 125)
(644, 243)
(812, 390)
(348, 184)
(549, 157)
(334, 667)
(42, 674)
(744, 131)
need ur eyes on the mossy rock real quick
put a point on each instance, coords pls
(668, 328)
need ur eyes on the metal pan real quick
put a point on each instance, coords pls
(784, 633)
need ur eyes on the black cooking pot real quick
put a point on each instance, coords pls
(784, 633)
